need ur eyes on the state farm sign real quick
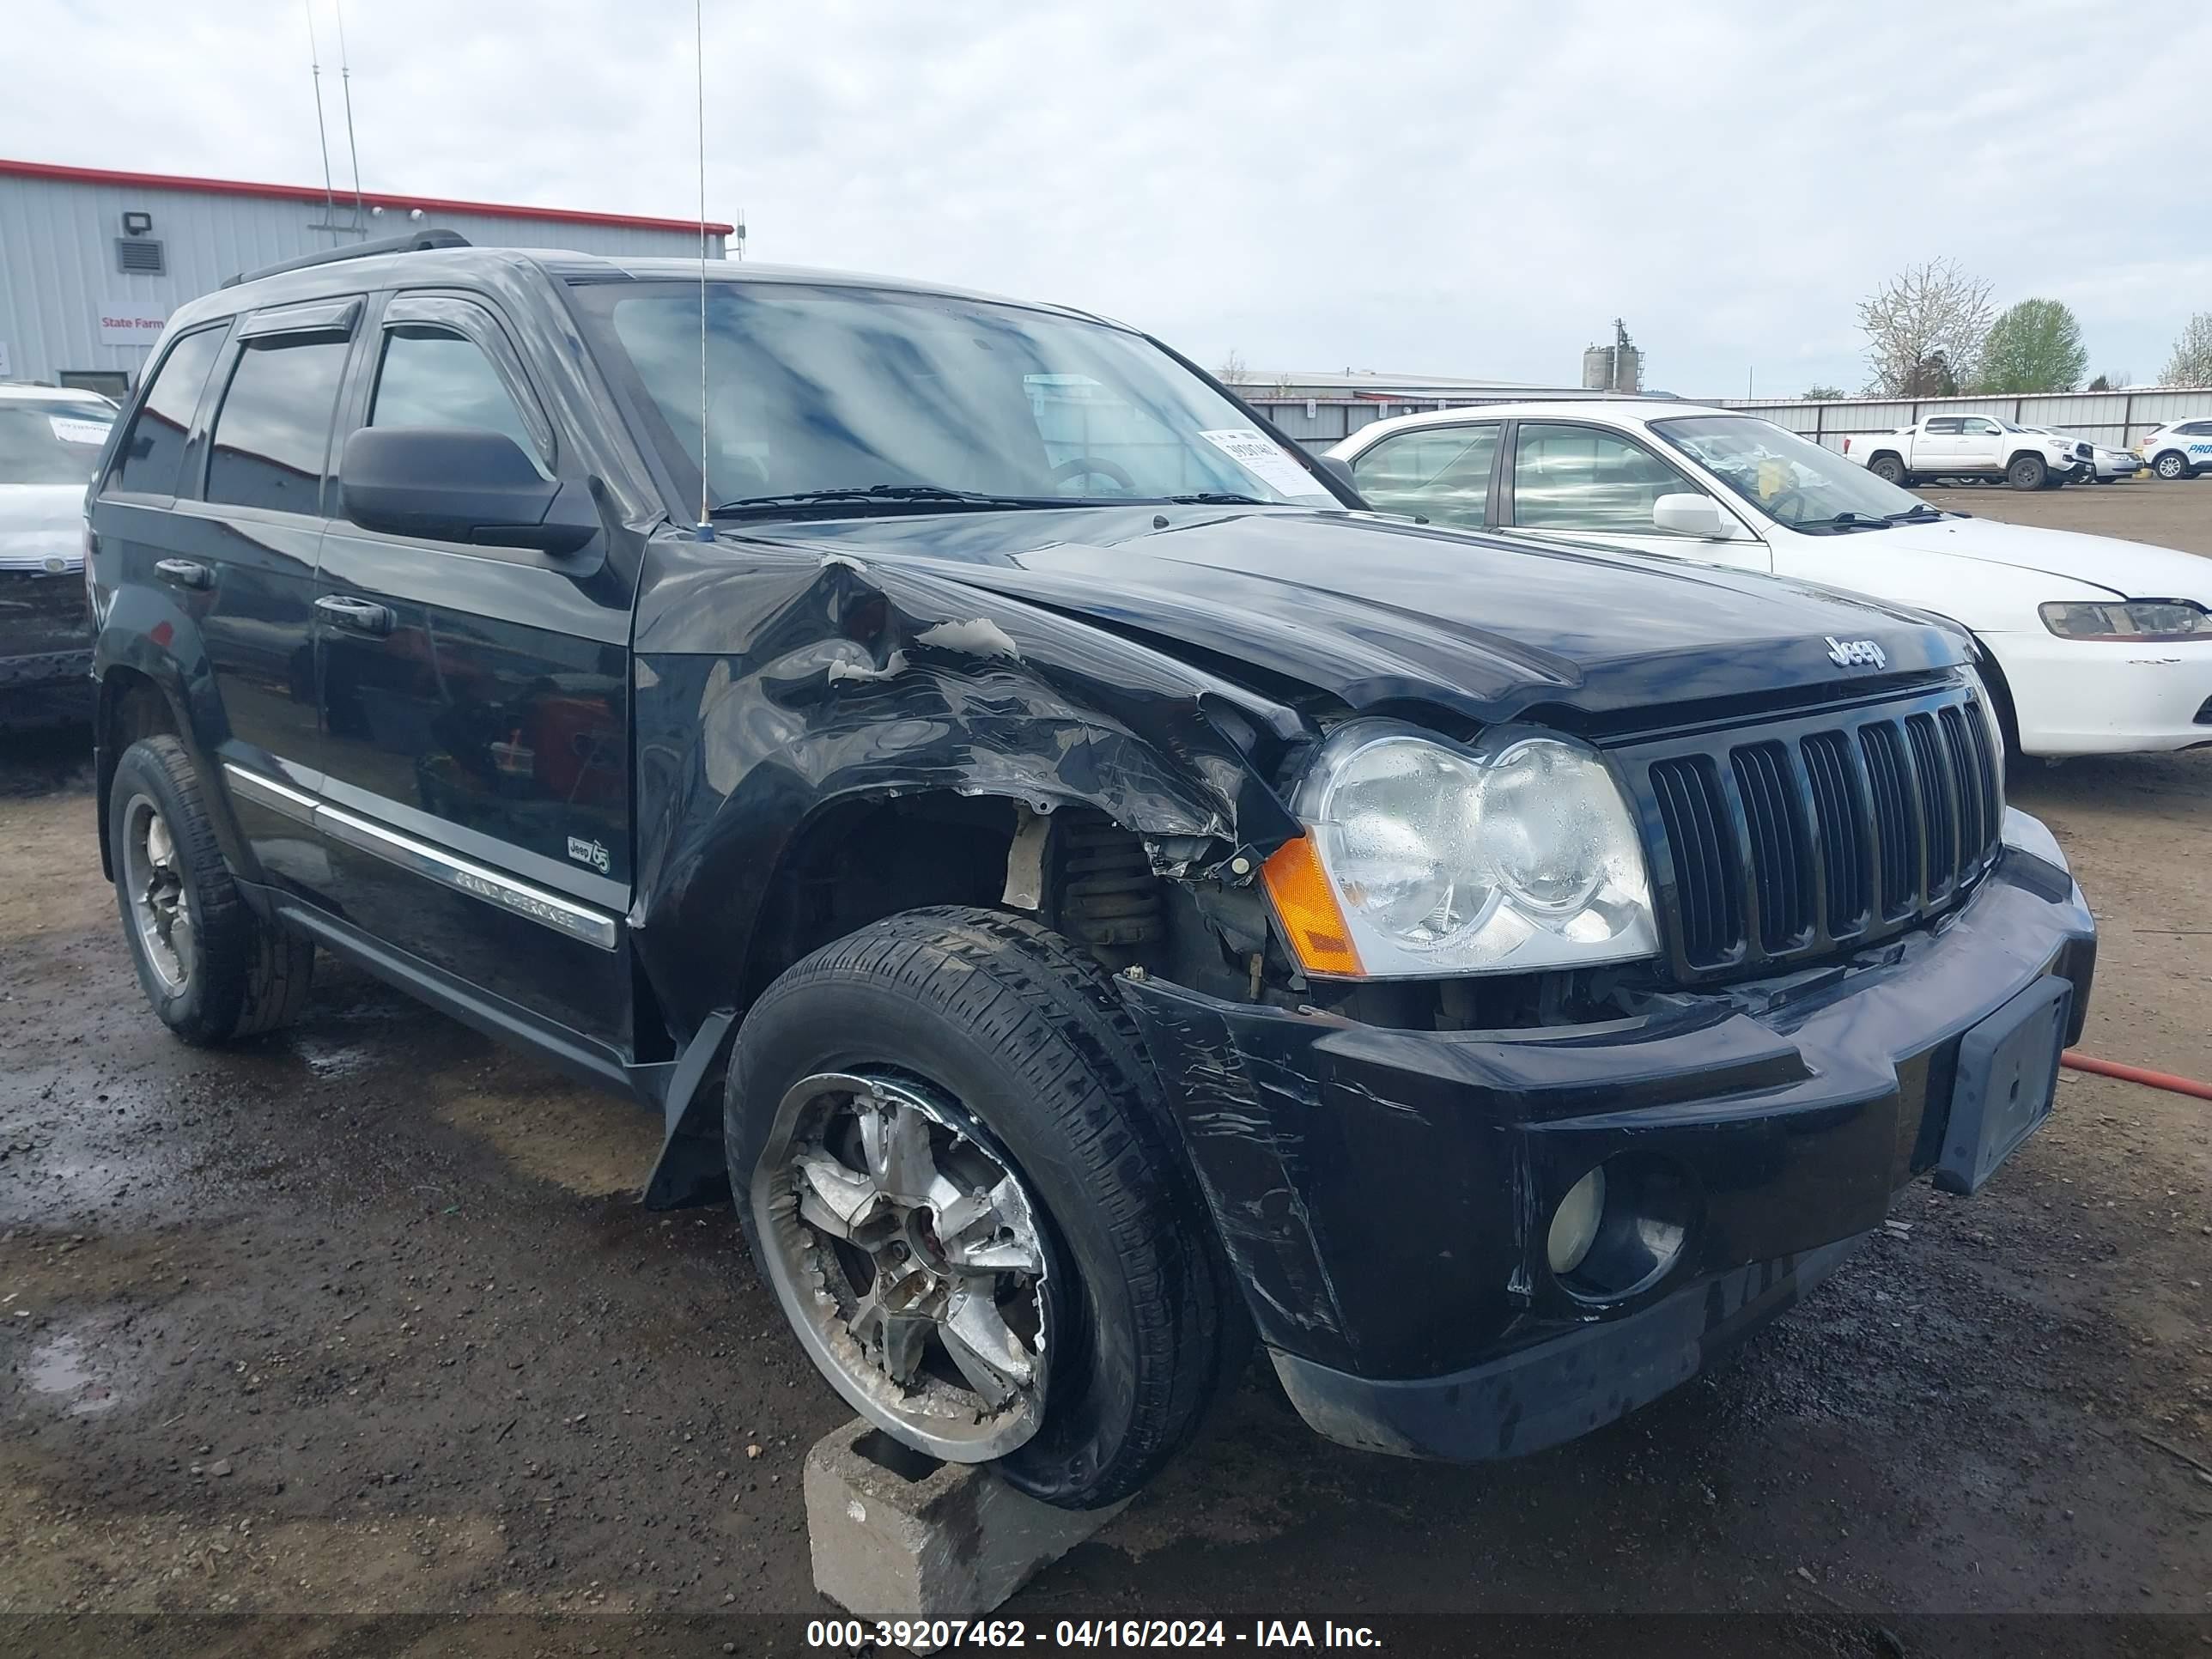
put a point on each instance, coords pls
(133, 324)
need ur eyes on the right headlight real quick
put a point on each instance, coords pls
(1423, 858)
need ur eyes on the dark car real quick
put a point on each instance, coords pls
(49, 444)
(1087, 887)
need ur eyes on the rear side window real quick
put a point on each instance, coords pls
(272, 434)
(432, 377)
(147, 460)
(1944, 426)
(1439, 473)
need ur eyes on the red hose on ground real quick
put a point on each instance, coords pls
(2179, 1085)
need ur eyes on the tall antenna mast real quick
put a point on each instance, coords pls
(706, 530)
(346, 81)
(322, 137)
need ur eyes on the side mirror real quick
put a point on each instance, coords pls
(1687, 514)
(1340, 469)
(460, 484)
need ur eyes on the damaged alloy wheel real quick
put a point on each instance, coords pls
(954, 1167)
(909, 1261)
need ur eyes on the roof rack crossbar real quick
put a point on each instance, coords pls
(416, 241)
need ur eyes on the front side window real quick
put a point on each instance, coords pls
(152, 450)
(272, 434)
(1982, 428)
(838, 389)
(1787, 478)
(1579, 477)
(1437, 473)
(47, 441)
(432, 376)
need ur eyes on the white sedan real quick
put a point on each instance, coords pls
(2092, 645)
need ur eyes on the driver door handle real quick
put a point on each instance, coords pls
(185, 573)
(359, 615)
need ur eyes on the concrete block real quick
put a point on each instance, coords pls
(897, 1534)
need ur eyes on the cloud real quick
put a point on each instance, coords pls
(1418, 186)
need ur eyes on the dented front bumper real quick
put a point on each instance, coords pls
(1384, 1196)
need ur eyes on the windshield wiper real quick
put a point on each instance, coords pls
(883, 496)
(1915, 513)
(1849, 519)
(1217, 498)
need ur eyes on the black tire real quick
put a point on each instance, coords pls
(1890, 470)
(2170, 465)
(2027, 472)
(242, 976)
(1026, 1032)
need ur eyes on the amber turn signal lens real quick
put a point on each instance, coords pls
(1306, 906)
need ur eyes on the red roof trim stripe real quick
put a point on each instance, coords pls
(60, 174)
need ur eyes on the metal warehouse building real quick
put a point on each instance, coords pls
(92, 263)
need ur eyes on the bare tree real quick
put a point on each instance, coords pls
(1232, 370)
(1922, 326)
(2191, 362)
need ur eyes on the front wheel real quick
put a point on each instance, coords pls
(2027, 472)
(2170, 465)
(953, 1163)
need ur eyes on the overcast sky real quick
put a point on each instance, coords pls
(1454, 188)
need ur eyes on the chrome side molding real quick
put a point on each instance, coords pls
(563, 916)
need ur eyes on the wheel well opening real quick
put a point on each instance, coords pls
(862, 861)
(131, 706)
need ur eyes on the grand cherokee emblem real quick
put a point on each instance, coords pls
(1855, 654)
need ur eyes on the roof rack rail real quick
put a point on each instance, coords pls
(418, 241)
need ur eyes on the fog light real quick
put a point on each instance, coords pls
(1573, 1224)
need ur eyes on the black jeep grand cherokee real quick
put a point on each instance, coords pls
(1084, 884)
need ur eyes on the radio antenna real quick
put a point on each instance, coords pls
(322, 135)
(346, 81)
(706, 528)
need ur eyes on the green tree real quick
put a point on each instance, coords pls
(1824, 394)
(2191, 362)
(2034, 346)
(2102, 383)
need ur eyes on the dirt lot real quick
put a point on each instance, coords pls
(2141, 509)
(362, 1320)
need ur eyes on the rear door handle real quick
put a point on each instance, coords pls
(360, 616)
(185, 573)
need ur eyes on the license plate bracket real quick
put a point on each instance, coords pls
(2008, 1075)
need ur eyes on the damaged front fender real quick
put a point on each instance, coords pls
(772, 686)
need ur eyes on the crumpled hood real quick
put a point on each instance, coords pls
(1377, 610)
(2135, 570)
(41, 522)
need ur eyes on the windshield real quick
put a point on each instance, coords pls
(1788, 478)
(47, 441)
(813, 390)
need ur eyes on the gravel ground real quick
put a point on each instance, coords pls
(361, 1321)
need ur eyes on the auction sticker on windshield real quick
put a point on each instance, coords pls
(1265, 460)
(69, 431)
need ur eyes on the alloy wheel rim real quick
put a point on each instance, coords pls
(910, 1260)
(161, 903)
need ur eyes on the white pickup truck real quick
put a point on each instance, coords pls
(1972, 447)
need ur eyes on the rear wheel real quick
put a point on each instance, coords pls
(2027, 472)
(211, 969)
(1889, 469)
(952, 1161)
(2170, 465)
